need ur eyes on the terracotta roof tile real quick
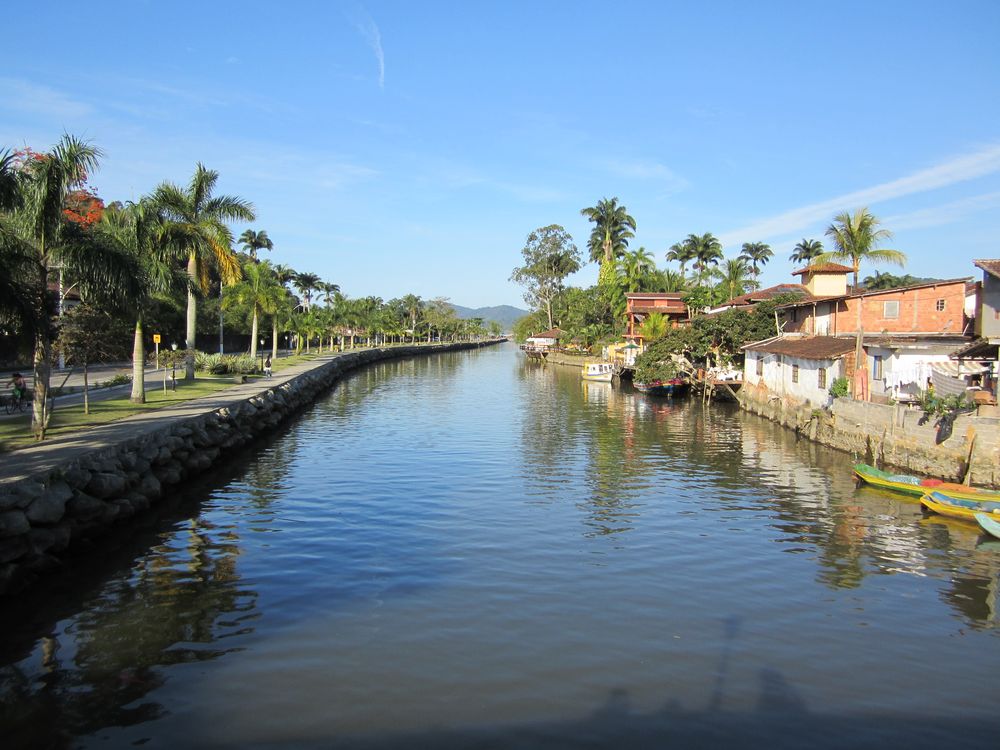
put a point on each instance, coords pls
(824, 268)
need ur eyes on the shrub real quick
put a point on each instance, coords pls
(839, 388)
(120, 379)
(225, 364)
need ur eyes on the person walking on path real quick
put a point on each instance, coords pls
(267, 367)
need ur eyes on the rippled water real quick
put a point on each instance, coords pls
(473, 550)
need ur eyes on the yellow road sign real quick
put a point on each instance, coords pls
(156, 338)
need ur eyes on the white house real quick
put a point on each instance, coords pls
(798, 367)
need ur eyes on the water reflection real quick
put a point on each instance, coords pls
(472, 550)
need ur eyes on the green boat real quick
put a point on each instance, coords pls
(920, 486)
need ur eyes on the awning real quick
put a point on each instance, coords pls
(978, 349)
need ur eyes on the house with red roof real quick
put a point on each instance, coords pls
(889, 343)
(639, 306)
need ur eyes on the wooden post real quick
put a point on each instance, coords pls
(970, 437)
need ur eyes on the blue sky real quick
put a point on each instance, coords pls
(410, 147)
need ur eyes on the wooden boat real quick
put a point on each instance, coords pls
(959, 508)
(598, 372)
(990, 525)
(672, 387)
(919, 486)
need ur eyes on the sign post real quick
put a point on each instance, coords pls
(156, 343)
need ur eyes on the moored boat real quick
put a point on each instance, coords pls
(599, 372)
(956, 507)
(671, 387)
(919, 486)
(988, 524)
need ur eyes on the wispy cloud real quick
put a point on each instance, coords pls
(369, 30)
(23, 95)
(958, 169)
(946, 213)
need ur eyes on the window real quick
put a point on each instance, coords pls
(890, 310)
(940, 305)
(876, 367)
(821, 377)
(795, 373)
(760, 366)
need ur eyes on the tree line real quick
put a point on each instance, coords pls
(154, 264)
(704, 275)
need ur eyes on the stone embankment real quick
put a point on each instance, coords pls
(891, 435)
(58, 493)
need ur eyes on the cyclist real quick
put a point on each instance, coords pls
(20, 387)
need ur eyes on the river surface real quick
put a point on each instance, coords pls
(471, 550)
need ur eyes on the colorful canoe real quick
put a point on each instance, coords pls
(957, 507)
(990, 525)
(919, 486)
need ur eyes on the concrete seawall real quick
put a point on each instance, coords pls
(892, 435)
(57, 493)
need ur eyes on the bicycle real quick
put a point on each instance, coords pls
(14, 404)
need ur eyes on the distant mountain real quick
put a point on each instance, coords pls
(505, 315)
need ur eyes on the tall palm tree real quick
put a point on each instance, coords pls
(197, 227)
(138, 229)
(306, 283)
(613, 228)
(253, 241)
(414, 306)
(806, 250)
(35, 228)
(682, 252)
(856, 238)
(254, 291)
(756, 254)
(708, 252)
(734, 277)
(21, 310)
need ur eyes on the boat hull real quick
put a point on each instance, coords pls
(958, 507)
(918, 487)
(988, 524)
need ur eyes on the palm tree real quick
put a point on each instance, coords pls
(654, 327)
(253, 241)
(328, 290)
(635, 267)
(197, 227)
(255, 291)
(734, 277)
(35, 228)
(284, 273)
(613, 228)
(414, 306)
(138, 229)
(856, 237)
(707, 252)
(21, 310)
(756, 254)
(306, 283)
(682, 252)
(806, 250)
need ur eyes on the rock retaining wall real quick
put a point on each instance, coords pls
(43, 515)
(893, 435)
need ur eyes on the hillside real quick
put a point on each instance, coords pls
(505, 315)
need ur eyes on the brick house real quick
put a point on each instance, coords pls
(907, 334)
(639, 305)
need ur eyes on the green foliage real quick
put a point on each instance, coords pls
(944, 406)
(88, 335)
(225, 364)
(839, 388)
(120, 379)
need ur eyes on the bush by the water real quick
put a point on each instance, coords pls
(225, 364)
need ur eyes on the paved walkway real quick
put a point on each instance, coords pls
(39, 458)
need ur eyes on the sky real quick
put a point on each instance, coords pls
(410, 147)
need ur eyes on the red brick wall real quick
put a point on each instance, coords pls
(917, 311)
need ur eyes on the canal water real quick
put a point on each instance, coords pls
(472, 550)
